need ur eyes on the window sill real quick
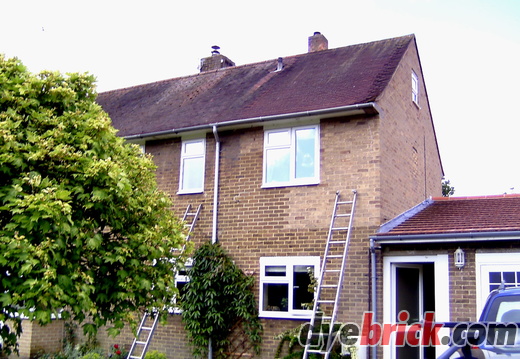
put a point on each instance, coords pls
(290, 184)
(190, 192)
(284, 315)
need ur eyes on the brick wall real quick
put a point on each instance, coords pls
(36, 339)
(410, 165)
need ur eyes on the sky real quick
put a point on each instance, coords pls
(469, 51)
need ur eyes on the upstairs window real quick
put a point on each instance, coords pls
(415, 88)
(284, 286)
(193, 155)
(291, 156)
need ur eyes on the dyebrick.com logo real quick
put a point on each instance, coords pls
(423, 333)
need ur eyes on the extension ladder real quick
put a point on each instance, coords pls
(144, 336)
(330, 279)
(148, 324)
(194, 216)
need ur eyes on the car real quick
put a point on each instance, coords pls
(495, 335)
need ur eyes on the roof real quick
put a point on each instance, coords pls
(344, 76)
(457, 215)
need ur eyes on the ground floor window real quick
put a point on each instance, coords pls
(284, 285)
(181, 279)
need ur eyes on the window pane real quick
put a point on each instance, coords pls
(181, 286)
(509, 278)
(494, 277)
(279, 138)
(194, 148)
(305, 141)
(276, 297)
(302, 298)
(193, 173)
(277, 165)
(275, 271)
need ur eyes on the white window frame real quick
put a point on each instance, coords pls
(415, 88)
(186, 156)
(291, 145)
(288, 279)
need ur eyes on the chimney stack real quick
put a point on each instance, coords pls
(318, 42)
(215, 61)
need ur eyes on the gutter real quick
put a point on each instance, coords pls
(447, 237)
(214, 237)
(367, 108)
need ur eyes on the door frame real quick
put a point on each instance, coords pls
(442, 299)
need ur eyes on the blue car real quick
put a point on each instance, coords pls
(495, 335)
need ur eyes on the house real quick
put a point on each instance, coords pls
(264, 148)
(445, 255)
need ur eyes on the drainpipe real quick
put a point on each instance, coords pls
(373, 308)
(214, 238)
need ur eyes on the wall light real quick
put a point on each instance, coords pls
(458, 257)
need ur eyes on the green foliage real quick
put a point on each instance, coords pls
(154, 354)
(293, 337)
(447, 189)
(84, 230)
(217, 296)
(74, 352)
(93, 355)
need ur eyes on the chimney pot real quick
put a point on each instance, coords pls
(215, 50)
(318, 42)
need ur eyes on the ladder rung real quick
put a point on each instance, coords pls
(345, 202)
(337, 242)
(334, 256)
(134, 357)
(333, 270)
(146, 328)
(140, 343)
(316, 351)
(326, 301)
(339, 228)
(329, 286)
(343, 215)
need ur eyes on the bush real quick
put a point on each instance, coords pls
(154, 354)
(92, 355)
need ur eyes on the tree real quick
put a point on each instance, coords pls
(218, 296)
(447, 189)
(85, 233)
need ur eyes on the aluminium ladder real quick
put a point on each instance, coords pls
(325, 307)
(149, 321)
(194, 216)
(144, 335)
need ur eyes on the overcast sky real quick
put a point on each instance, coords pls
(469, 49)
